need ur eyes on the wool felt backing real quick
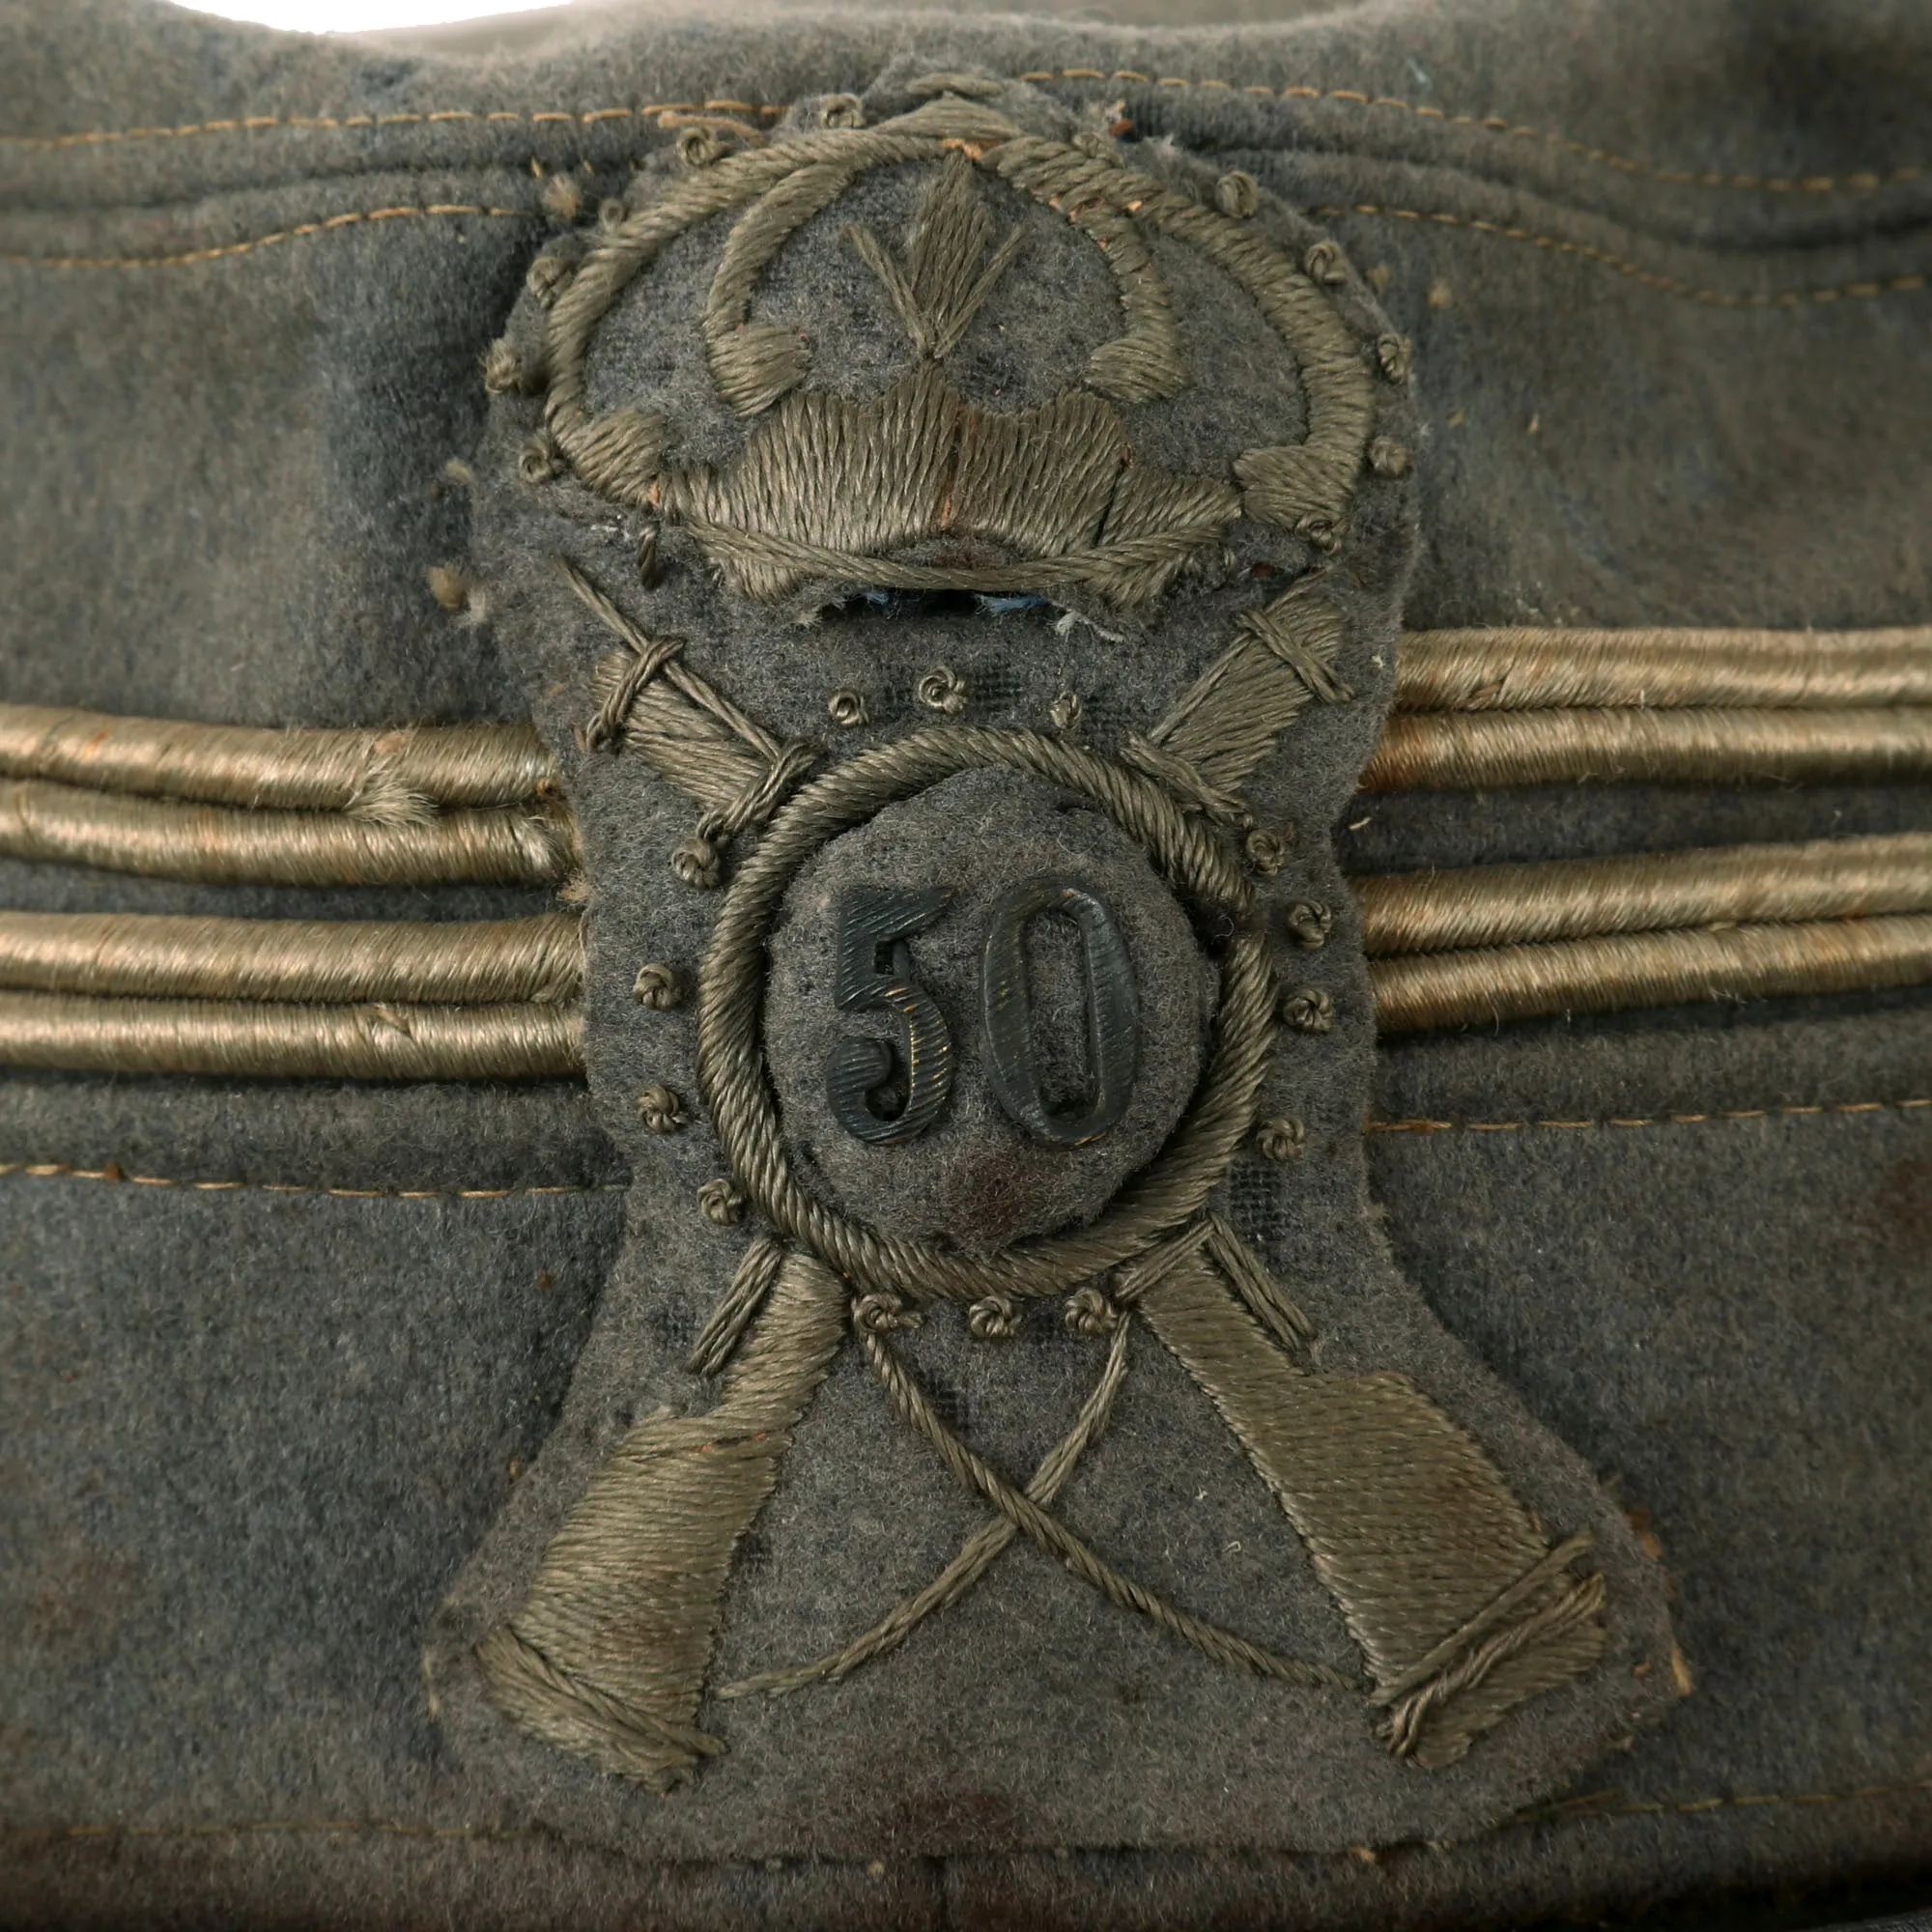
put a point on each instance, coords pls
(264, 1432)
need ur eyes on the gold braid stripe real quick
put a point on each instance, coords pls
(1498, 905)
(1474, 751)
(375, 842)
(229, 846)
(343, 1042)
(485, 963)
(1528, 669)
(391, 776)
(1649, 969)
(538, 1038)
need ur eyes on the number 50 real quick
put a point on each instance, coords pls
(887, 1093)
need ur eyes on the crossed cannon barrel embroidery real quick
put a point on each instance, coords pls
(1461, 1605)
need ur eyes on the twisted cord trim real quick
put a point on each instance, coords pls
(1057, 1540)
(976, 1554)
(160, 955)
(1409, 912)
(731, 1074)
(1488, 984)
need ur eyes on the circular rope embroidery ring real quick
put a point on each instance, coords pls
(736, 1085)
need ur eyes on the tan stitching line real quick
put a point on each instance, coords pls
(1861, 291)
(54, 1170)
(1427, 1126)
(1650, 279)
(1575, 1811)
(1861, 181)
(1858, 182)
(290, 122)
(352, 218)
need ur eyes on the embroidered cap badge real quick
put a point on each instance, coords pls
(987, 1011)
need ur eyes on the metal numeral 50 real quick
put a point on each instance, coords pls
(886, 1092)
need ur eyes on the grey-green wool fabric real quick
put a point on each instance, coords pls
(1006, 1376)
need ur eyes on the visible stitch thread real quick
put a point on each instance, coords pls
(1309, 922)
(1053, 1537)
(994, 1317)
(386, 776)
(688, 733)
(1394, 360)
(943, 690)
(540, 459)
(750, 1287)
(606, 1656)
(290, 122)
(662, 1111)
(1214, 735)
(1057, 483)
(1863, 181)
(231, 845)
(1367, 1465)
(1237, 194)
(730, 1072)
(1309, 1010)
(1781, 1110)
(327, 226)
(1266, 851)
(720, 1203)
(950, 266)
(44, 1169)
(976, 1555)
(1089, 1312)
(658, 987)
(1650, 279)
(879, 1311)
